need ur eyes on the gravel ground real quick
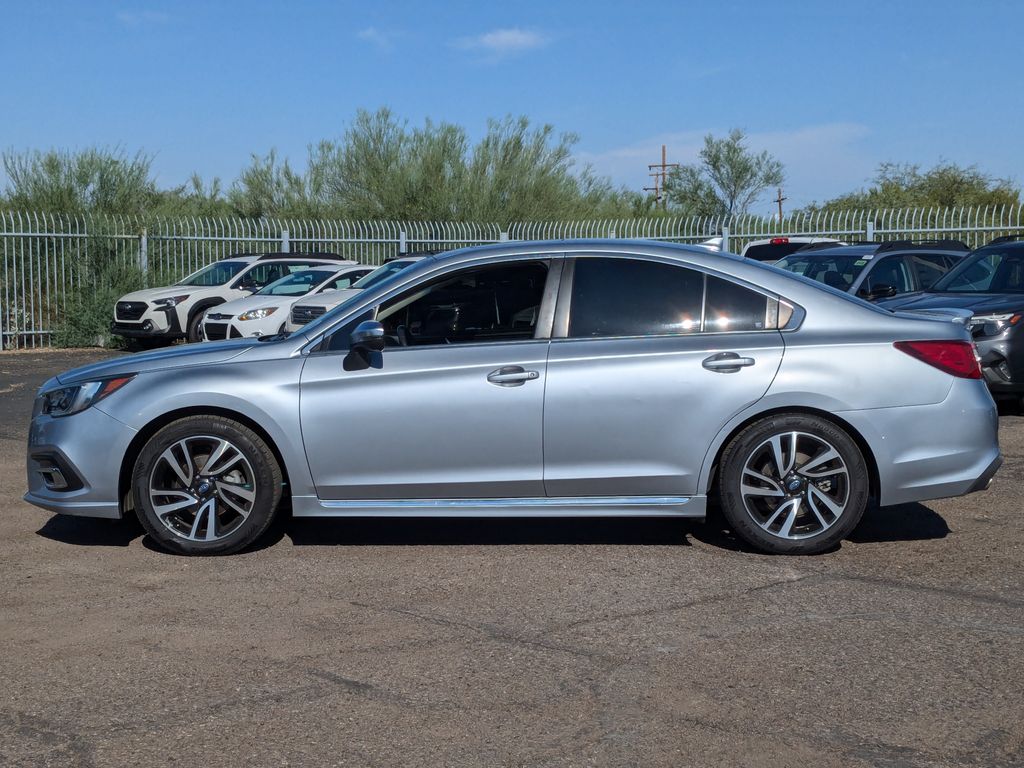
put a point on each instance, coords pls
(433, 643)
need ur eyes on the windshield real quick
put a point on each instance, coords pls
(296, 284)
(217, 273)
(839, 270)
(986, 271)
(381, 274)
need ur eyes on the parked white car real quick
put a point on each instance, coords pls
(305, 311)
(176, 311)
(266, 311)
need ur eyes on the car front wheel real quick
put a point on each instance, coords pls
(206, 485)
(793, 484)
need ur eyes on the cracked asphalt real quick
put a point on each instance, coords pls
(509, 643)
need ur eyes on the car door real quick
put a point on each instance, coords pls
(453, 408)
(648, 361)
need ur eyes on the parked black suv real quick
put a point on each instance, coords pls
(989, 283)
(877, 271)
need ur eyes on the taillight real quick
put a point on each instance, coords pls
(780, 240)
(954, 357)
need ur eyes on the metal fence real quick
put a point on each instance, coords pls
(52, 264)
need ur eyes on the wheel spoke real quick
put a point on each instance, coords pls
(815, 494)
(830, 454)
(187, 500)
(216, 464)
(794, 510)
(207, 511)
(185, 470)
(783, 466)
(751, 490)
(242, 492)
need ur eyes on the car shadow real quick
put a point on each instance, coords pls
(91, 531)
(487, 531)
(906, 522)
(903, 522)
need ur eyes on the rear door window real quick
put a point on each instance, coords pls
(890, 271)
(632, 297)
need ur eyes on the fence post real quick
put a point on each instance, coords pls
(503, 237)
(725, 240)
(144, 258)
(286, 242)
(869, 232)
(402, 244)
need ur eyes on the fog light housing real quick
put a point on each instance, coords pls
(148, 325)
(57, 475)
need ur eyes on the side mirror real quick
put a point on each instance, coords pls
(880, 291)
(368, 335)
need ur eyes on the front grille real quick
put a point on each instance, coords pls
(130, 310)
(215, 316)
(303, 315)
(216, 331)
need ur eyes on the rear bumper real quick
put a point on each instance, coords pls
(933, 451)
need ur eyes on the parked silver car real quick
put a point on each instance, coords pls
(578, 378)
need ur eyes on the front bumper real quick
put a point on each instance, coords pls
(157, 322)
(1002, 363)
(89, 447)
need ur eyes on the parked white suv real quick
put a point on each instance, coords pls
(266, 311)
(306, 310)
(176, 311)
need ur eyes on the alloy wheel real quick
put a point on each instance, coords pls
(202, 488)
(795, 485)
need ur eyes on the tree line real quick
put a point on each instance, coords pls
(382, 168)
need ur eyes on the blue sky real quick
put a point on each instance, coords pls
(830, 88)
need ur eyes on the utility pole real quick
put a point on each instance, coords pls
(659, 172)
(780, 200)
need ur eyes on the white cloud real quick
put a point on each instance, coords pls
(499, 43)
(821, 161)
(142, 18)
(383, 39)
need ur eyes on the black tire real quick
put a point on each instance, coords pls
(747, 512)
(194, 332)
(260, 477)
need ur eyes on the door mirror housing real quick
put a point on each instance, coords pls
(368, 335)
(880, 291)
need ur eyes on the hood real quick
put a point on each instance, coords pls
(328, 299)
(208, 353)
(152, 294)
(248, 303)
(976, 303)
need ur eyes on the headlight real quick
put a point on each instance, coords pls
(173, 301)
(993, 325)
(68, 400)
(257, 314)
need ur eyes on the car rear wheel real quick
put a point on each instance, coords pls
(793, 484)
(206, 485)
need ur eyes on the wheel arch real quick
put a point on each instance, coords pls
(854, 434)
(124, 482)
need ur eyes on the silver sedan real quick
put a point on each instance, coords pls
(575, 378)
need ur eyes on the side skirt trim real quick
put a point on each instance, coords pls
(584, 506)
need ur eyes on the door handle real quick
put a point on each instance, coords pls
(726, 362)
(512, 376)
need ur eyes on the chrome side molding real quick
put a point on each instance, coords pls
(567, 506)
